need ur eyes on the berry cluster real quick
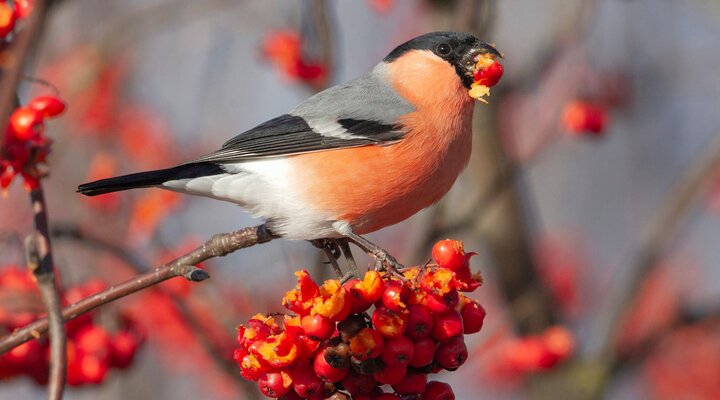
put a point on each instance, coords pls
(583, 117)
(284, 49)
(10, 14)
(92, 349)
(336, 342)
(25, 145)
(540, 352)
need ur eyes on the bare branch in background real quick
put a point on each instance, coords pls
(219, 245)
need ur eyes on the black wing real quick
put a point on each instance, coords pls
(290, 134)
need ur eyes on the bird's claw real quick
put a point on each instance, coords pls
(385, 262)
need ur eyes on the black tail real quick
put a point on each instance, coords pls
(149, 178)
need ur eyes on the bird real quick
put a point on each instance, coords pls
(351, 159)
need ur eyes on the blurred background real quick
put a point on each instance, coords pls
(592, 195)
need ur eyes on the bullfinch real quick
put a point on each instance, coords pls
(351, 159)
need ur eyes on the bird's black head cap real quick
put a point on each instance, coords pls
(457, 48)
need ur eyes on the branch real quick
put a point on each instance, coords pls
(99, 243)
(219, 245)
(40, 261)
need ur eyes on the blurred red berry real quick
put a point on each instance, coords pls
(47, 106)
(123, 346)
(23, 8)
(8, 16)
(447, 325)
(452, 354)
(94, 340)
(438, 391)
(584, 117)
(381, 6)
(26, 123)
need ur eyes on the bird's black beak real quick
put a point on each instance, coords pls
(471, 57)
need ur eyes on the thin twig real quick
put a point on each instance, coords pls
(40, 261)
(219, 245)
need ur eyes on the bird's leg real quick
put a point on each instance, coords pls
(352, 265)
(383, 259)
(332, 250)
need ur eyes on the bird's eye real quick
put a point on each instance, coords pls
(444, 49)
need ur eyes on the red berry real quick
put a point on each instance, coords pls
(395, 296)
(387, 396)
(390, 324)
(8, 16)
(473, 315)
(23, 8)
(368, 343)
(447, 325)
(365, 292)
(438, 391)
(290, 395)
(305, 382)
(274, 384)
(26, 124)
(491, 75)
(449, 254)
(424, 352)
(95, 341)
(412, 383)
(358, 384)
(452, 354)
(443, 303)
(123, 347)
(47, 106)
(317, 327)
(92, 368)
(419, 321)
(327, 372)
(391, 374)
(398, 351)
(359, 302)
(584, 117)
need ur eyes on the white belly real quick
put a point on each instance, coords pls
(262, 188)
